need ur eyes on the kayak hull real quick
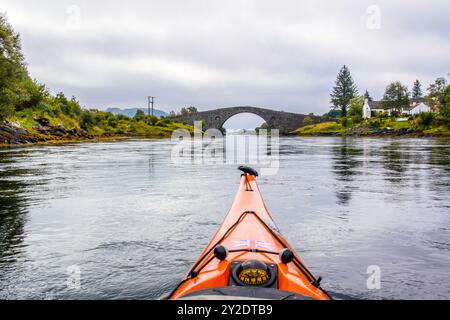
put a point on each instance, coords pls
(249, 233)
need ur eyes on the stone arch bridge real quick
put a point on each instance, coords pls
(286, 122)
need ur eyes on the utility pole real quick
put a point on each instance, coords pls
(150, 103)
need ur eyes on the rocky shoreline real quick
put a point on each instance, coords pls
(376, 133)
(12, 134)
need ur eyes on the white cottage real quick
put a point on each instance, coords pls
(416, 106)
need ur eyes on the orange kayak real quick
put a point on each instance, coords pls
(248, 258)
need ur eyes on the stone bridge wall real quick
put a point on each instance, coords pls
(286, 122)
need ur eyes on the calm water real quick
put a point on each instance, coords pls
(133, 222)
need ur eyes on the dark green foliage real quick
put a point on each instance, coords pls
(139, 115)
(441, 120)
(332, 114)
(164, 120)
(367, 96)
(439, 94)
(6, 110)
(396, 96)
(86, 119)
(445, 102)
(307, 121)
(424, 119)
(12, 69)
(152, 120)
(189, 110)
(344, 121)
(343, 91)
(62, 104)
(356, 107)
(17, 90)
(417, 90)
(122, 117)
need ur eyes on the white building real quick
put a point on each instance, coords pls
(416, 106)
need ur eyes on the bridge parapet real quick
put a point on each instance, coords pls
(286, 122)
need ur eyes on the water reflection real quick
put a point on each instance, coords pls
(134, 222)
(13, 207)
(438, 175)
(395, 162)
(346, 162)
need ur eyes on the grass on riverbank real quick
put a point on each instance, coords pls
(101, 123)
(423, 124)
(59, 120)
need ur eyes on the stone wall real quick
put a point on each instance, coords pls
(286, 122)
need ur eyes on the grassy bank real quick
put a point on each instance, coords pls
(57, 119)
(426, 124)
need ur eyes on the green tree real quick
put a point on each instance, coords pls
(86, 119)
(417, 90)
(307, 121)
(17, 90)
(343, 91)
(184, 111)
(355, 107)
(445, 109)
(192, 110)
(12, 69)
(437, 94)
(367, 96)
(151, 120)
(188, 110)
(332, 114)
(396, 96)
(139, 114)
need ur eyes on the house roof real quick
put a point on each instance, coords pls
(418, 100)
(385, 105)
(378, 105)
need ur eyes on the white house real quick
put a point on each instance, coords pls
(416, 106)
(367, 111)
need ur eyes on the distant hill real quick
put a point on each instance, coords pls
(130, 112)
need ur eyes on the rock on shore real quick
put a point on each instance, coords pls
(11, 133)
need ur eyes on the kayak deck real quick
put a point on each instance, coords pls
(249, 234)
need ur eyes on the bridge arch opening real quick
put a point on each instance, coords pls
(243, 121)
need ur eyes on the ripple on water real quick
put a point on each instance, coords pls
(134, 222)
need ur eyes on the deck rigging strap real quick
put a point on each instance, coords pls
(193, 273)
(248, 186)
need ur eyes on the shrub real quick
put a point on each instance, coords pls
(86, 119)
(113, 122)
(344, 121)
(139, 115)
(424, 119)
(441, 120)
(356, 118)
(31, 94)
(165, 121)
(307, 121)
(356, 107)
(151, 120)
(6, 110)
(332, 114)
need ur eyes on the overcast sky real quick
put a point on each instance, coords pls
(281, 54)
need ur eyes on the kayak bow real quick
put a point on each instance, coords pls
(248, 258)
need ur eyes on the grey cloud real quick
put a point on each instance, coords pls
(214, 53)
